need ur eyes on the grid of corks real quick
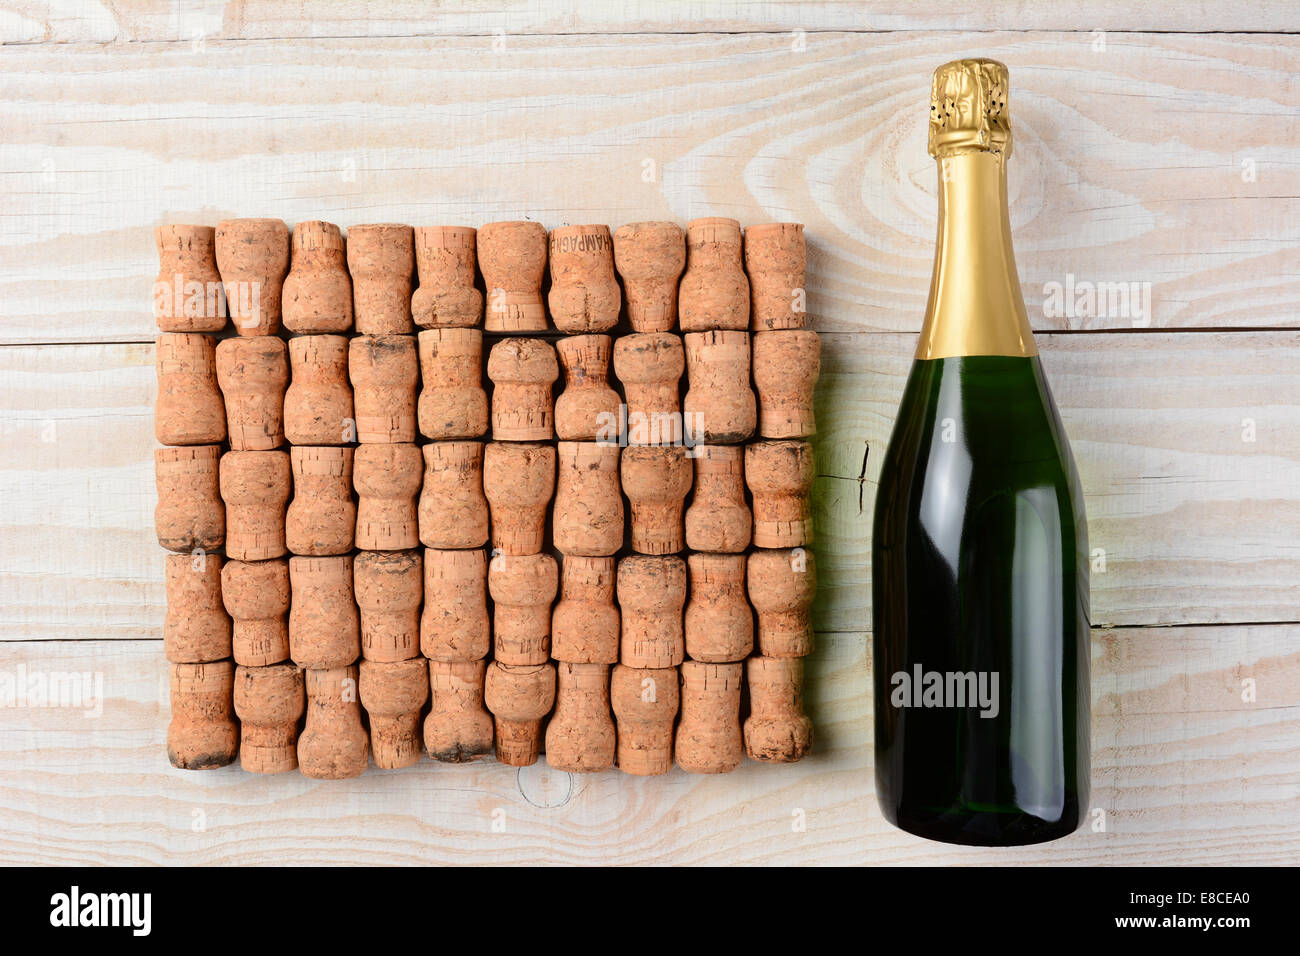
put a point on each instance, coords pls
(391, 538)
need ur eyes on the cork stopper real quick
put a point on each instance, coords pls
(385, 372)
(512, 258)
(256, 596)
(719, 405)
(255, 488)
(381, 259)
(318, 402)
(446, 298)
(650, 365)
(253, 259)
(709, 736)
(458, 728)
(393, 694)
(782, 585)
(253, 375)
(454, 625)
(190, 515)
(389, 589)
(968, 108)
(453, 403)
(269, 701)
(580, 735)
(585, 623)
(588, 516)
(317, 295)
(453, 511)
(718, 518)
(780, 475)
(196, 627)
(719, 624)
(387, 480)
(523, 589)
(203, 733)
(324, 627)
(189, 410)
(776, 260)
(651, 593)
(522, 371)
(519, 697)
(322, 518)
(584, 295)
(777, 730)
(656, 481)
(650, 257)
(518, 480)
(786, 366)
(645, 703)
(334, 744)
(587, 410)
(187, 295)
(714, 293)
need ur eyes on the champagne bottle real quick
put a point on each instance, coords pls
(980, 555)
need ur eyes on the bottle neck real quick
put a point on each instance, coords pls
(975, 305)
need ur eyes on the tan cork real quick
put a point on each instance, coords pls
(777, 730)
(255, 487)
(253, 259)
(393, 694)
(523, 589)
(719, 623)
(656, 481)
(645, 702)
(780, 475)
(650, 257)
(318, 402)
(718, 518)
(512, 258)
(190, 515)
(580, 736)
(381, 259)
(719, 404)
(196, 627)
(387, 480)
(324, 625)
(269, 701)
(385, 373)
(446, 298)
(454, 625)
(519, 697)
(189, 410)
(317, 295)
(203, 733)
(256, 596)
(584, 295)
(253, 375)
(714, 293)
(786, 366)
(518, 480)
(588, 514)
(649, 365)
(458, 728)
(322, 518)
(775, 258)
(187, 293)
(389, 589)
(587, 409)
(522, 372)
(333, 744)
(585, 622)
(782, 585)
(709, 737)
(453, 511)
(452, 403)
(651, 593)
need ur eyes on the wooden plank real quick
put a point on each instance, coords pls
(1162, 159)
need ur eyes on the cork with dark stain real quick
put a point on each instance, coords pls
(709, 737)
(454, 624)
(786, 367)
(196, 627)
(523, 588)
(719, 519)
(585, 622)
(389, 588)
(385, 372)
(714, 293)
(580, 736)
(322, 517)
(381, 260)
(512, 258)
(649, 365)
(458, 728)
(190, 515)
(651, 593)
(776, 730)
(256, 596)
(318, 403)
(187, 293)
(269, 701)
(518, 481)
(645, 702)
(522, 373)
(189, 409)
(203, 733)
(452, 403)
(776, 260)
(253, 375)
(719, 402)
(334, 744)
(324, 625)
(782, 585)
(255, 488)
(780, 475)
(317, 296)
(253, 259)
(584, 296)
(453, 512)
(387, 479)
(588, 514)
(650, 257)
(719, 622)
(444, 259)
(519, 697)
(587, 409)
(393, 694)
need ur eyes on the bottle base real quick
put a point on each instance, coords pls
(968, 827)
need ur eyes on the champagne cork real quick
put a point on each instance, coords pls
(381, 259)
(446, 298)
(777, 730)
(518, 480)
(588, 516)
(523, 589)
(203, 733)
(585, 623)
(775, 259)
(786, 366)
(255, 488)
(645, 703)
(387, 480)
(651, 592)
(709, 736)
(782, 585)
(393, 693)
(389, 589)
(256, 596)
(190, 515)
(317, 295)
(580, 735)
(385, 373)
(512, 258)
(584, 295)
(519, 697)
(189, 410)
(719, 518)
(587, 409)
(780, 475)
(196, 627)
(253, 374)
(719, 404)
(453, 403)
(253, 259)
(187, 296)
(269, 701)
(458, 728)
(453, 512)
(719, 622)
(322, 518)
(656, 481)
(650, 257)
(522, 371)
(649, 365)
(333, 744)
(324, 627)
(318, 403)
(454, 625)
(714, 293)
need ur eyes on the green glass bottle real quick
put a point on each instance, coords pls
(979, 552)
